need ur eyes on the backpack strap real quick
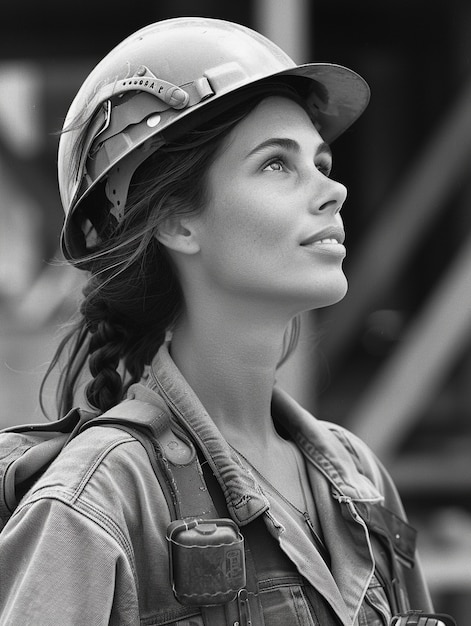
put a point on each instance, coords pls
(27, 450)
(173, 456)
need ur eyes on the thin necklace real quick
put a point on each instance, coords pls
(317, 540)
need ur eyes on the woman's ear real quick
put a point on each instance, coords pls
(178, 234)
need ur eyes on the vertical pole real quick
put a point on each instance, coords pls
(287, 23)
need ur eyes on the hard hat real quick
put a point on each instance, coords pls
(164, 79)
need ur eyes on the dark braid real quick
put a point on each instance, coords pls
(126, 317)
(105, 354)
(105, 349)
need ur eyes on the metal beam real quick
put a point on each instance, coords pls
(408, 381)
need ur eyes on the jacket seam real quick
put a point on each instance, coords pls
(90, 512)
(97, 461)
(76, 501)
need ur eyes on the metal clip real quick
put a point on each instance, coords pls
(244, 608)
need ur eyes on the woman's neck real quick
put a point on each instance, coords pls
(232, 369)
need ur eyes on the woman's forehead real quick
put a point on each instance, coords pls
(275, 118)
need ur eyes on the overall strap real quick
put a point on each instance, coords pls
(173, 457)
(245, 609)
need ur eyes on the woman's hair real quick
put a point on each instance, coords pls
(133, 296)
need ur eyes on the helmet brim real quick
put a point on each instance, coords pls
(341, 97)
(346, 96)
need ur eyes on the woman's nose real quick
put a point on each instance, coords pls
(330, 198)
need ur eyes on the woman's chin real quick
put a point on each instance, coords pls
(332, 294)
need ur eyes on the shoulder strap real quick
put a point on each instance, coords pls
(173, 456)
(27, 450)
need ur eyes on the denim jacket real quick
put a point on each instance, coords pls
(87, 545)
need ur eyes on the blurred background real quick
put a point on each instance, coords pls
(392, 362)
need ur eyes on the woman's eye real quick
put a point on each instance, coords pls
(276, 165)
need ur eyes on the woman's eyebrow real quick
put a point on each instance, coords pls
(287, 144)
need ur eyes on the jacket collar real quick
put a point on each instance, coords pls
(245, 500)
(327, 447)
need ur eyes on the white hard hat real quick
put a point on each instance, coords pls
(164, 79)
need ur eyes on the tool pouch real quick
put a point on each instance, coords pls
(207, 564)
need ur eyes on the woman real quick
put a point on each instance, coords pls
(194, 172)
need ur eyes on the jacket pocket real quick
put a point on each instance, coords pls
(284, 605)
